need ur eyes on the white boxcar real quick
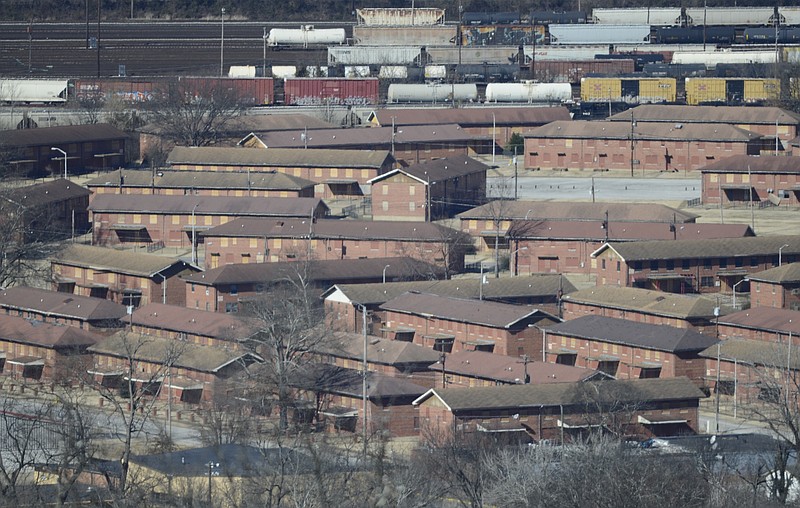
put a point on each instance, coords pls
(435, 71)
(711, 58)
(373, 55)
(666, 16)
(33, 90)
(758, 16)
(433, 92)
(599, 34)
(284, 71)
(242, 71)
(473, 55)
(305, 36)
(393, 72)
(528, 92)
(400, 16)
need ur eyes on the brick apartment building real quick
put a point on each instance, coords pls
(47, 211)
(742, 179)
(248, 240)
(453, 324)
(764, 324)
(635, 147)
(682, 266)
(627, 349)
(429, 191)
(777, 287)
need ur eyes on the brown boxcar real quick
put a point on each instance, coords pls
(571, 71)
(317, 91)
(249, 91)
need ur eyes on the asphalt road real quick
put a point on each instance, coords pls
(605, 189)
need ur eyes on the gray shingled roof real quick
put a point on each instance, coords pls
(206, 205)
(709, 114)
(537, 285)
(49, 335)
(619, 231)
(568, 210)
(494, 314)
(644, 300)
(256, 180)
(47, 192)
(643, 131)
(566, 394)
(277, 122)
(130, 262)
(509, 369)
(277, 157)
(784, 274)
(333, 228)
(439, 170)
(320, 270)
(766, 318)
(754, 352)
(470, 117)
(54, 136)
(383, 351)
(367, 136)
(700, 249)
(52, 303)
(194, 321)
(754, 164)
(630, 333)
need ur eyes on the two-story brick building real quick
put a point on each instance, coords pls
(93, 314)
(763, 324)
(643, 306)
(679, 266)
(223, 289)
(175, 221)
(456, 324)
(745, 179)
(202, 183)
(248, 240)
(628, 349)
(125, 277)
(335, 172)
(561, 412)
(635, 147)
(433, 190)
(46, 211)
(777, 287)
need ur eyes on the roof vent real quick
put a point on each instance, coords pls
(680, 126)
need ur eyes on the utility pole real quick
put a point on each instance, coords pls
(633, 124)
(525, 361)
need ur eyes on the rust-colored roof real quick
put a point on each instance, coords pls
(621, 231)
(568, 210)
(701, 249)
(333, 228)
(366, 136)
(709, 114)
(277, 122)
(470, 117)
(787, 273)
(439, 170)
(765, 318)
(493, 314)
(244, 180)
(193, 321)
(52, 303)
(382, 351)
(48, 335)
(754, 164)
(632, 333)
(61, 135)
(206, 205)
(643, 131)
(509, 369)
(47, 192)
(277, 157)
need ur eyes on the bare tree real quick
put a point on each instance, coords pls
(194, 115)
(91, 108)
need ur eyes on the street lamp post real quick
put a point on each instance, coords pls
(734, 292)
(780, 253)
(222, 43)
(384, 273)
(211, 466)
(516, 261)
(65, 159)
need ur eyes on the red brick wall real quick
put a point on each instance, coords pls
(572, 310)
(110, 189)
(760, 182)
(399, 198)
(779, 296)
(115, 282)
(728, 331)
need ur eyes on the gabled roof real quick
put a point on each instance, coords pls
(338, 380)
(510, 369)
(193, 321)
(573, 211)
(754, 164)
(184, 179)
(438, 170)
(785, 274)
(709, 114)
(61, 135)
(583, 129)
(366, 136)
(147, 348)
(382, 351)
(494, 314)
(631, 333)
(564, 394)
(48, 335)
(44, 193)
(622, 231)
(647, 301)
(700, 249)
(206, 205)
(277, 122)
(319, 270)
(469, 117)
(278, 157)
(52, 303)
(538, 285)
(333, 228)
(754, 352)
(765, 318)
(130, 262)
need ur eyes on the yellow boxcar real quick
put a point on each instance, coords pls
(629, 90)
(731, 90)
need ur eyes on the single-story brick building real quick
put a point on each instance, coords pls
(743, 179)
